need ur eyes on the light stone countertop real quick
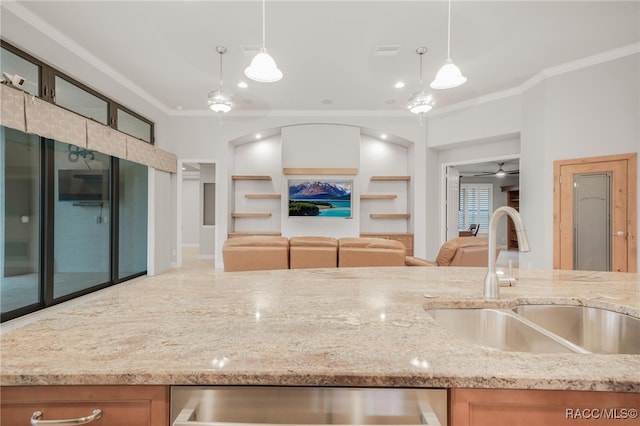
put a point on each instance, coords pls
(324, 327)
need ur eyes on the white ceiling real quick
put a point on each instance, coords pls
(326, 48)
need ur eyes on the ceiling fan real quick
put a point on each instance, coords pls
(501, 172)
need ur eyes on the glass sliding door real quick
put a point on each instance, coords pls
(132, 232)
(82, 213)
(20, 228)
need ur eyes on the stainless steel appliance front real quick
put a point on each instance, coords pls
(277, 405)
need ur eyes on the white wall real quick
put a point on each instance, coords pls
(588, 112)
(317, 146)
(162, 205)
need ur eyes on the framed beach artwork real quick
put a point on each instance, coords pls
(320, 198)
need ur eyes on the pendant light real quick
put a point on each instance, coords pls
(263, 68)
(420, 102)
(449, 75)
(220, 100)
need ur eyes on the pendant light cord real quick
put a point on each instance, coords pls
(264, 37)
(449, 33)
(420, 71)
(220, 71)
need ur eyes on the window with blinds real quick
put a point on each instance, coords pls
(476, 202)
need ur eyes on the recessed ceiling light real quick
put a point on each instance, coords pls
(383, 136)
(243, 85)
(399, 85)
(258, 135)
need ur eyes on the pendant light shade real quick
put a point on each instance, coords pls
(449, 75)
(420, 102)
(263, 68)
(220, 100)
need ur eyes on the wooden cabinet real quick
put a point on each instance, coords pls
(513, 200)
(120, 405)
(406, 239)
(514, 407)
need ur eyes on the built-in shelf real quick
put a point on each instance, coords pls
(378, 196)
(398, 178)
(390, 215)
(262, 196)
(249, 215)
(250, 177)
(319, 171)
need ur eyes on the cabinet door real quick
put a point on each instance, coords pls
(120, 405)
(514, 407)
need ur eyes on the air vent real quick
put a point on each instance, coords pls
(386, 50)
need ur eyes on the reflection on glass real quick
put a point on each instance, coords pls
(133, 126)
(133, 219)
(20, 207)
(78, 100)
(81, 216)
(14, 64)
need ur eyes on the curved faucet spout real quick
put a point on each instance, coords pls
(491, 284)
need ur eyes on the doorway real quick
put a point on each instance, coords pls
(196, 198)
(595, 213)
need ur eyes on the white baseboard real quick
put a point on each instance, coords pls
(191, 245)
(206, 257)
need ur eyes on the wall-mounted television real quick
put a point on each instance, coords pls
(320, 198)
(83, 185)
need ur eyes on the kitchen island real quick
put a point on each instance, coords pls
(364, 327)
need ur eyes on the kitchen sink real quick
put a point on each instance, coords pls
(594, 329)
(499, 329)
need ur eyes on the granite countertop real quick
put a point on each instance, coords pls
(324, 327)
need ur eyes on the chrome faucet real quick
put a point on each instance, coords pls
(491, 283)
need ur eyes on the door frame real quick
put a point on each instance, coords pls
(632, 195)
(443, 184)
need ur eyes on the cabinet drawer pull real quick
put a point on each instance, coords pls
(36, 419)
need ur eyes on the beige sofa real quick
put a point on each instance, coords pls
(255, 253)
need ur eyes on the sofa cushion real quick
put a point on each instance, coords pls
(354, 252)
(313, 252)
(255, 253)
(312, 241)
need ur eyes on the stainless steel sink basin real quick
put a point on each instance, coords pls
(596, 330)
(498, 329)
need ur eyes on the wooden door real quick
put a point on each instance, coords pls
(623, 193)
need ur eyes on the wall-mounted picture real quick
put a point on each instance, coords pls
(320, 198)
